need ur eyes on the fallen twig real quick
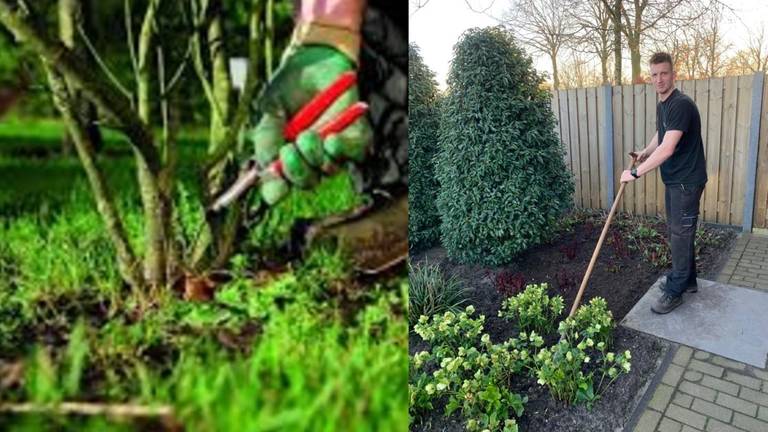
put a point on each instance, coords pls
(88, 408)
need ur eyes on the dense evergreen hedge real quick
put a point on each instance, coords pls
(423, 111)
(503, 179)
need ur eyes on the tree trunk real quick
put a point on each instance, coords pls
(126, 259)
(155, 200)
(617, 42)
(634, 52)
(604, 69)
(555, 75)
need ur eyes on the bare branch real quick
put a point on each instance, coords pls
(80, 71)
(103, 65)
(129, 35)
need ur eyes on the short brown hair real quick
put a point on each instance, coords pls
(662, 57)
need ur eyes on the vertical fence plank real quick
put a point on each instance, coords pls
(728, 138)
(618, 130)
(702, 103)
(761, 186)
(594, 149)
(584, 149)
(565, 132)
(637, 144)
(605, 139)
(629, 193)
(739, 170)
(554, 104)
(714, 142)
(573, 111)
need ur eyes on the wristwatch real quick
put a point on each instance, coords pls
(634, 173)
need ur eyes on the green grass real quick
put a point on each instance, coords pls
(285, 353)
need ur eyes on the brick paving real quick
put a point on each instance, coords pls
(700, 391)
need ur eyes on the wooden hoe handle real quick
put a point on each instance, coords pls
(600, 242)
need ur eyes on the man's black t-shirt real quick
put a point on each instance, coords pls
(687, 164)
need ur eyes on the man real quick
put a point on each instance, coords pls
(678, 149)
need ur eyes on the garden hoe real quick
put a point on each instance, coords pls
(600, 242)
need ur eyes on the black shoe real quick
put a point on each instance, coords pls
(666, 303)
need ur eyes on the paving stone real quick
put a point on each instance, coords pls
(672, 375)
(648, 421)
(693, 376)
(701, 355)
(682, 399)
(683, 355)
(687, 428)
(716, 426)
(718, 384)
(711, 410)
(736, 404)
(686, 416)
(707, 368)
(744, 380)
(762, 413)
(754, 280)
(698, 391)
(750, 424)
(669, 425)
(726, 363)
(661, 397)
(759, 398)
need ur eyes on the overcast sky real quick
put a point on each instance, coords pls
(436, 27)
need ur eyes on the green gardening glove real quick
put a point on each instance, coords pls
(304, 72)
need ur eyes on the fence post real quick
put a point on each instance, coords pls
(608, 134)
(754, 134)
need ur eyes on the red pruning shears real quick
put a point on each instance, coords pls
(300, 122)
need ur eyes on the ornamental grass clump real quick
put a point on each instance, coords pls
(500, 163)
(430, 292)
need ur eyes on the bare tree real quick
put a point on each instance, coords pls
(543, 25)
(579, 72)
(615, 10)
(595, 32)
(639, 18)
(754, 57)
(698, 49)
(713, 61)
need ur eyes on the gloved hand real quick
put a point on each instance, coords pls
(305, 70)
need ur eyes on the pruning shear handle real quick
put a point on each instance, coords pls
(300, 122)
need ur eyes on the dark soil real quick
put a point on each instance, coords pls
(622, 275)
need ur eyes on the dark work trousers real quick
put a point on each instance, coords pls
(682, 204)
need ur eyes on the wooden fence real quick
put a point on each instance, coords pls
(600, 126)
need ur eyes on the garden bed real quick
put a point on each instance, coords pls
(634, 255)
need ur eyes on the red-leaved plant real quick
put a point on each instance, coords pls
(565, 279)
(509, 283)
(569, 250)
